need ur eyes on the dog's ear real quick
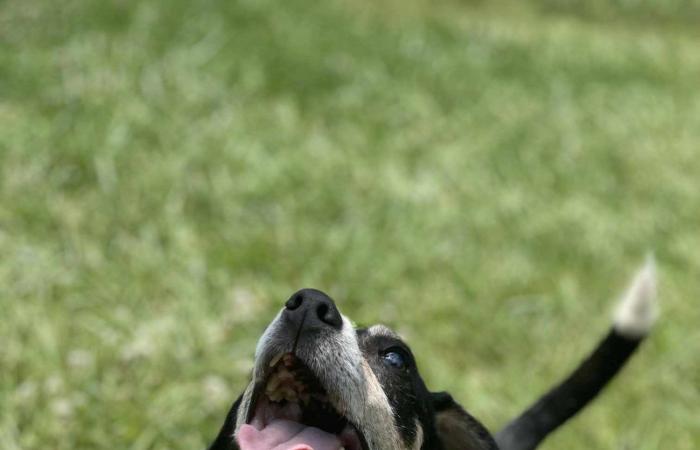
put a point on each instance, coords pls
(225, 441)
(456, 428)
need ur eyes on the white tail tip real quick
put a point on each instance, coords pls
(637, 310)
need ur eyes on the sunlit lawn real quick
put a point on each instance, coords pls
(482, 178)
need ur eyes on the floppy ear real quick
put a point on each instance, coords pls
(457, 429)
(225, 441)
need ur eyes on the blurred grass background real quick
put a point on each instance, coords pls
(482, 176)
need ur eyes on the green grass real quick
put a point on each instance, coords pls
(482, 176)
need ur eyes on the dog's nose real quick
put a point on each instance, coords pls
(314, 308)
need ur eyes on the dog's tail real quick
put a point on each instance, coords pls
(633, 320)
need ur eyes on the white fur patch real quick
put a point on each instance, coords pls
(637, 310)
(373, 415)
(382, 330)
(267, 336)
(418, 442)
(244, 407)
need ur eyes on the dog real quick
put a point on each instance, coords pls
(319, 383)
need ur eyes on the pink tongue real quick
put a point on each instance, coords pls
(285, 435)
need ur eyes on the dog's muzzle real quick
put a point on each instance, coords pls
(296, 403)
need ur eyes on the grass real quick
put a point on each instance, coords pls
(484, 177)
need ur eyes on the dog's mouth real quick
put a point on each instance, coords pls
(292, 411)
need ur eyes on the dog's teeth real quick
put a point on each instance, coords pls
(284, 374)
(273, 384)
(289, 394)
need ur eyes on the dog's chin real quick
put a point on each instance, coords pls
(292, 411)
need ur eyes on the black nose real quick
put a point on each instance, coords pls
(314, 309)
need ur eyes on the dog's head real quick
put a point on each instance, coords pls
(319, 383)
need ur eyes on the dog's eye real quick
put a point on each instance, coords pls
(395, 358)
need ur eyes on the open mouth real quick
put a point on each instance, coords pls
(291, 411)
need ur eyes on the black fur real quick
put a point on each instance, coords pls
(472, 435)
(225, 441)
(444, 424)
(569, 397)
(411, 400)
